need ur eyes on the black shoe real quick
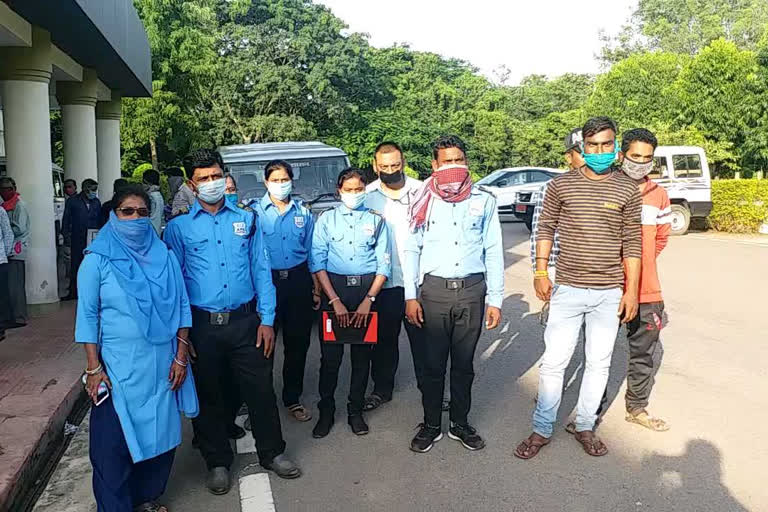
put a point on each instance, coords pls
(218, 481)
(283, 467)
(374, 401)
(358, 424)
(426, 438)
(235, 432)
(467, 435)
(323, 426)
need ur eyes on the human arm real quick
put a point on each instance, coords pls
(342, 314)
(309, 221)
(6, 232)
(261, 273)
(545, 238)
(412, 257)
(538, 202)
(663, 223)
(66, 223)
(632, 253)
(173, 239)
(383, 271)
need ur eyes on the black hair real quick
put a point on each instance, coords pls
(597, 125)
(70, 180)
(119, 183)
(151, 176)
(448, 141)
(88, 183)
(9, 180)
(130, 190)
(174, 171)
(232, 177)
(348, 174)
(638, 135)
(387, 147)
(202, 158)
(275, 165)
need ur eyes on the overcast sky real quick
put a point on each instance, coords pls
(549, 37)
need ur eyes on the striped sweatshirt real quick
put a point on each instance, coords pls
(598, 224)
(656, 222)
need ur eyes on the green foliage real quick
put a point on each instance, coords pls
(739, 206)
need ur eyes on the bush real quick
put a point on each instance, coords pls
(739, 206)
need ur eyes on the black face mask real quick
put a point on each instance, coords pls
(391, 179)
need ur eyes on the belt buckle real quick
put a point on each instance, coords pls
(219, 318)
(354, 281)
(454, 284)
(283, 274)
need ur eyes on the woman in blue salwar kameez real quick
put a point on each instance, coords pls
(132, 317)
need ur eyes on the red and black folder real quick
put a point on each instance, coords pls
(334, 333)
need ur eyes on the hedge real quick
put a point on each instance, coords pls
(739, 206)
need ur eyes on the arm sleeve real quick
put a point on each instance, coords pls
(632, 242)
(494, 255)
(538, 201)
(66, 221)
(384, 252)
(185, 311)
(261, 273)
(663, 224)
(23, 224)
(412, 255)
(7, 232)
(310, 221)
(88, 306)
(550, 214)
(318, 255)
(172, 239)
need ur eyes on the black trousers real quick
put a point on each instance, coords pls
(333, 353)
(385, 356)
(453, 321)
(6, 319)
(76, 259)
(17, 292)
(294, 318)
(232, 348)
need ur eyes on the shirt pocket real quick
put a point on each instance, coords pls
(473, 228)
(298, 234)
(198, 252)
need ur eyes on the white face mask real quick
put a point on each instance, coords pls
(211, 192)
(636, 170)
(280, 191)
(353, 201)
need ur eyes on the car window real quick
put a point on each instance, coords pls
(687, 166)
(660, 169)
(58, 185)
(538, 177)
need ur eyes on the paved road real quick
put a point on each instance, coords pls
(711, 389)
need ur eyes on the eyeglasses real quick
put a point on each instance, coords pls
(128, 211)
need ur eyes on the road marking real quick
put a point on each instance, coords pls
(490, 350)
(256, 493)
(762, 243)
(245, 444)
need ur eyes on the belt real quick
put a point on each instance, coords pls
(282, 275)
(349, 281)
(223, 317)
(458, 284)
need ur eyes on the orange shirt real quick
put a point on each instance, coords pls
(656, 225)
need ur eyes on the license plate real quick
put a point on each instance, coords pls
(521, 208)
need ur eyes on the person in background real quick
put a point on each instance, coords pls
(287, 226)
(230, 193)
(229, 281)
(6, 249)
(151, 180)
(18, 215)
(109, 206)
(70, 188)
(455, 258)
(596, 211)
(351, 258)
(133, 319)
(82, 214)
(182, 195)
(391, 195)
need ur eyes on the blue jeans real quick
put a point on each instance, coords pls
(569, 308)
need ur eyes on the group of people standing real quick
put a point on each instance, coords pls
(227, 276)
(14, 241)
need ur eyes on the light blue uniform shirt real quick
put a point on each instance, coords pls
(395, 212)
(288, 237)
(138, 370)
(223, 259)
(459, 239)
(345, 243)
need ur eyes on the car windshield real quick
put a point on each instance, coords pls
(488, 179)
(311, 177)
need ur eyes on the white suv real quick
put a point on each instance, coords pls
(505, 184)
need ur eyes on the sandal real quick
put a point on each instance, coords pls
(644, 420)
(150, 507)
(374, 401)
(532, 445)
(591, 443)
(300, 413)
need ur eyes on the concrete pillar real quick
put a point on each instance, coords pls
(25, 73)
(108, 144)
(78, 130)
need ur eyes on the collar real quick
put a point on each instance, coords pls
(266, 202)
(410, 184)
(197, 208)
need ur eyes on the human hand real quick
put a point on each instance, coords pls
(628, 307)
(360, 318)
(342, 315)
(93, 382)
(543, 287)
(414, 312)
(492, 317)
(266, 336)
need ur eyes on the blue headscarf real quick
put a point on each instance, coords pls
(145, 270)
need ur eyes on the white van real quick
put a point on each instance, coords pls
(316, 166)
(684, 172)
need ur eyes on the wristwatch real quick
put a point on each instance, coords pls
(372, 298)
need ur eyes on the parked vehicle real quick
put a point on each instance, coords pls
(505, 184)
(57, 174)
(682, 170)
(315, 168)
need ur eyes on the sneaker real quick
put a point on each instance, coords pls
(467, 435)
(426, 438)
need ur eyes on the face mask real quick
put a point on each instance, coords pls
(636, 170)
(601, 162)
(280, 191)
(211, 192)
(353, 201)
(391, 179)
(91, 195)
(231, 198)
(7, 195)
(133, 232)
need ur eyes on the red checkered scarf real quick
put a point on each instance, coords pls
(450, 183)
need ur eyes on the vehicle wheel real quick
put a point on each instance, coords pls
(681, 219)
(528, 221)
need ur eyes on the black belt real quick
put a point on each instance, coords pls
(458, 284)
(350, 281)
(282, 275)
(224, 317)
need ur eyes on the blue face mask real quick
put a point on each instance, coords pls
(91, 195)
(211, 192)
(231, 198)
(601, 162)
(132, 232)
